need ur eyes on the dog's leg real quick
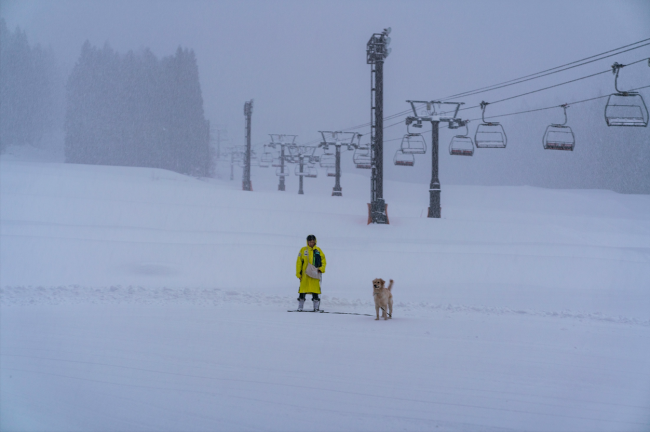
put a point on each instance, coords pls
(390, 307)
(377, 310)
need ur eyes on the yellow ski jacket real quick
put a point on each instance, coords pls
(305, 256)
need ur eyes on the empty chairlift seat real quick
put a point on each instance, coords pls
(266, 159)
(280, 173)
(331, 172)
(413, 143)
(489, 134)
(328, 161)
(403, 159)
(361, 158)
(312, 172)
(625, 108)
(559, 136)
(461, 145)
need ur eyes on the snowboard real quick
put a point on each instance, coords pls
(337, 313)
(296, 310)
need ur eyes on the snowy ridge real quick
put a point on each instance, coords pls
(138, 295)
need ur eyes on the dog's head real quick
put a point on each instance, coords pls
(378, 284)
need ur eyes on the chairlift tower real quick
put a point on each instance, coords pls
(221, 133)
(435, 114)
(246, 181)
(230, 155)
(282, 141)
(339, 139)
(376, 52)
(301, 154)
(232, 165)
(236, 154)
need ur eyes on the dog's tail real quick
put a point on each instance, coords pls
(390, 285)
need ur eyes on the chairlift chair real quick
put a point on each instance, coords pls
(294, 151)
(413, 143)
(559, 136)
(403, 159)
(277, 163)
(625, 108)
(361, 158)
(266, 159)
(328, 161)
(312, 172)
(280, 173)
(297, 171)
(461, 145)
(489, 134)
(331, 172)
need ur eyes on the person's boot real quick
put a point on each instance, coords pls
(316, 305)
(301, 303)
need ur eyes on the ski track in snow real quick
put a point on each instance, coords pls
(215, 297)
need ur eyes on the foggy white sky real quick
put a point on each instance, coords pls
(304, 61)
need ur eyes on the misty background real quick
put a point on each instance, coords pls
(303, 63)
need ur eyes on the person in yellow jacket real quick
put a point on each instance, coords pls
(310, 254)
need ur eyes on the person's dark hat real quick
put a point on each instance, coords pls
(311, 237)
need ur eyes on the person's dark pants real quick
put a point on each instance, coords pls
(314, 296)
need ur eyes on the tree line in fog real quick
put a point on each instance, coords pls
(128, 109)
(30, 90)
(137, 110)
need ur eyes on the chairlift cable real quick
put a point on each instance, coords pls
(513, 97)
(390, 117)
(529, 77)
(523, 79)
(548, 71)
(524, 112)
(550, 87)
(555, 106)
(566, 82)
(539, 90)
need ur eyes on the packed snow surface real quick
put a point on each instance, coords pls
(140, 299)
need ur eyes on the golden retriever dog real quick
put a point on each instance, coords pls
(383, 297)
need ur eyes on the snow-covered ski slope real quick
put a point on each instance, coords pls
(140, 299)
